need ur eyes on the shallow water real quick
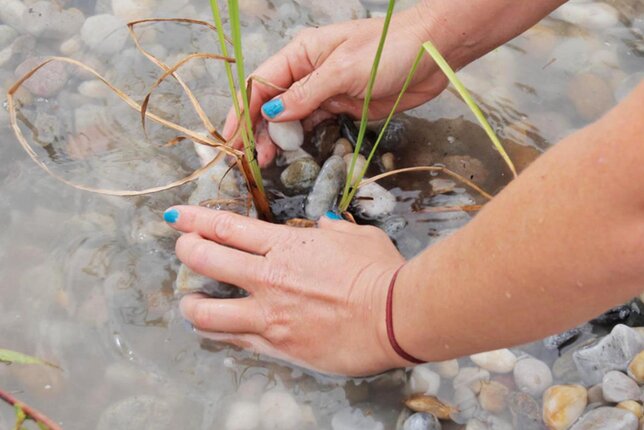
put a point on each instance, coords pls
(87, 280)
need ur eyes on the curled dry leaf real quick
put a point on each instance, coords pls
(431, 405)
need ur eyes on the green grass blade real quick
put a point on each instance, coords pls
(344, 204)
(367, 99)
(465, 94)
(13, 357)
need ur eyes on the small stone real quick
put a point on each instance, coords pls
(596, 395)
(633, 406)
(393, 225)
(472, 378)
(593, 16)
(526, 412)
(493, 396)
(47, 81)
(7, 36)
(617, 387)
(388, 161)
(466, 166)
(636, 368)
(44, 19)
(467, 404)
(373, 201)
(447, 369)
(289, 135)
(424, 381)
(130, 10)
(562, 405)
(532, 376)
(342, 147)
(136, 412)
(279, 411)
(326, 188)
(353, 419)
(105, 34)
(431, 405)
(243, 416)
(442, 186)
(422, 421)
(499, 361)
(612, 352)
(289, 157)
(476, 424)
(71, 46)
(301, 175)
(94, 89)
(11, 13)
(361, 161)
(606, 418)
(590, 95)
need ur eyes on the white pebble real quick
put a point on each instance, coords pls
(424, 381)
(289, 135)
(361, 161)
(353, 419)
(71, 46)
(499, 361)
(243, 416)
(447, 369)
(532, 376)
(94, 89)
(617, 387)
(130, 10)
(279, 411)
(106, 34)
(471, 377)
(374, 201)
(11, 13)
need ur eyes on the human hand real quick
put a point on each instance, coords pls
(317, 296)
(329, 68)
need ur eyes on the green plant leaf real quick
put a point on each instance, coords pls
(13, 357)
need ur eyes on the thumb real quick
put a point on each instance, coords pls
(304, 96)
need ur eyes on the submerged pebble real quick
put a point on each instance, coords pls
(326, 188)
(606, 418)
(499, 361)
(243, 416)
(47, 81)
(636, 368)
(422, 421)
(617, 387)
(288, 135)
(424, 381)
(532, 376)
(493, 396)
(279, 411)
(300, 175)
(104, 34)
(354, 419)
(562, 405)
(373, 201)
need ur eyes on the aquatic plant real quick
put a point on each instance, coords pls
(352, 186)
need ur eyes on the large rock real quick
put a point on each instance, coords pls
(606, 418)
(613, 352)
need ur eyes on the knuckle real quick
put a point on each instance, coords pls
(271, 276)
(201, 316)
(198, 256)
(221, 226)
(300, 92)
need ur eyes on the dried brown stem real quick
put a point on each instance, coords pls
(33, 414)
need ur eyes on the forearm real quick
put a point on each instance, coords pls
(561, 244)
(467, 29)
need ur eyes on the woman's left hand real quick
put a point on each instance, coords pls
(317, 295)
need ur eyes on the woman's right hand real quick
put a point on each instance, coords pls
(329, 68)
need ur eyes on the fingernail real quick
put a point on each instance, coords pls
(171, 216)
(332, 215)
(273, 108)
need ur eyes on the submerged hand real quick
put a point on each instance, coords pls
(329, 68)
(317, 296)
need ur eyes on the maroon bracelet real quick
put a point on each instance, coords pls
(390, 322)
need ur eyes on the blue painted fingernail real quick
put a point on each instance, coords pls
(171, 216)
(273, 108)
(332, 215)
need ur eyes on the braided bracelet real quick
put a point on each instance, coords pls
(390, 323)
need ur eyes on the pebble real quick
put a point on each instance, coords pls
(95, 89)
(300, 175)
(361, 162)
(243, 416)
(424, 381)
(467, 404)
(279, 411)
(591, 96)
(447, 369)
(47, 81)
(606, 418)
(373, 201)
(526, 412)
(7, 36)
(633, 406)
(617, 387)
(388, 161)
(636, 368)
(342, 147)
(562, 405)
(136, 412)
(11, 13)
(467, 166)
(493, 396)
(442, 186)
(393, 225)
(288, 135)
(71, 46)
(593, 16)
(596, 394)
(422, 421)
(44, 19)
(130, 10)
(105, 34)
(289, 157)
(326, 188)
(472, 378)
(499, 361)
(532, 376)
(354, 419)
(612, 352)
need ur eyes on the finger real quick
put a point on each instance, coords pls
(219, 262)
(223, 315)
(332, 221)
(266, 149)
(306, 95)
(226, 228)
